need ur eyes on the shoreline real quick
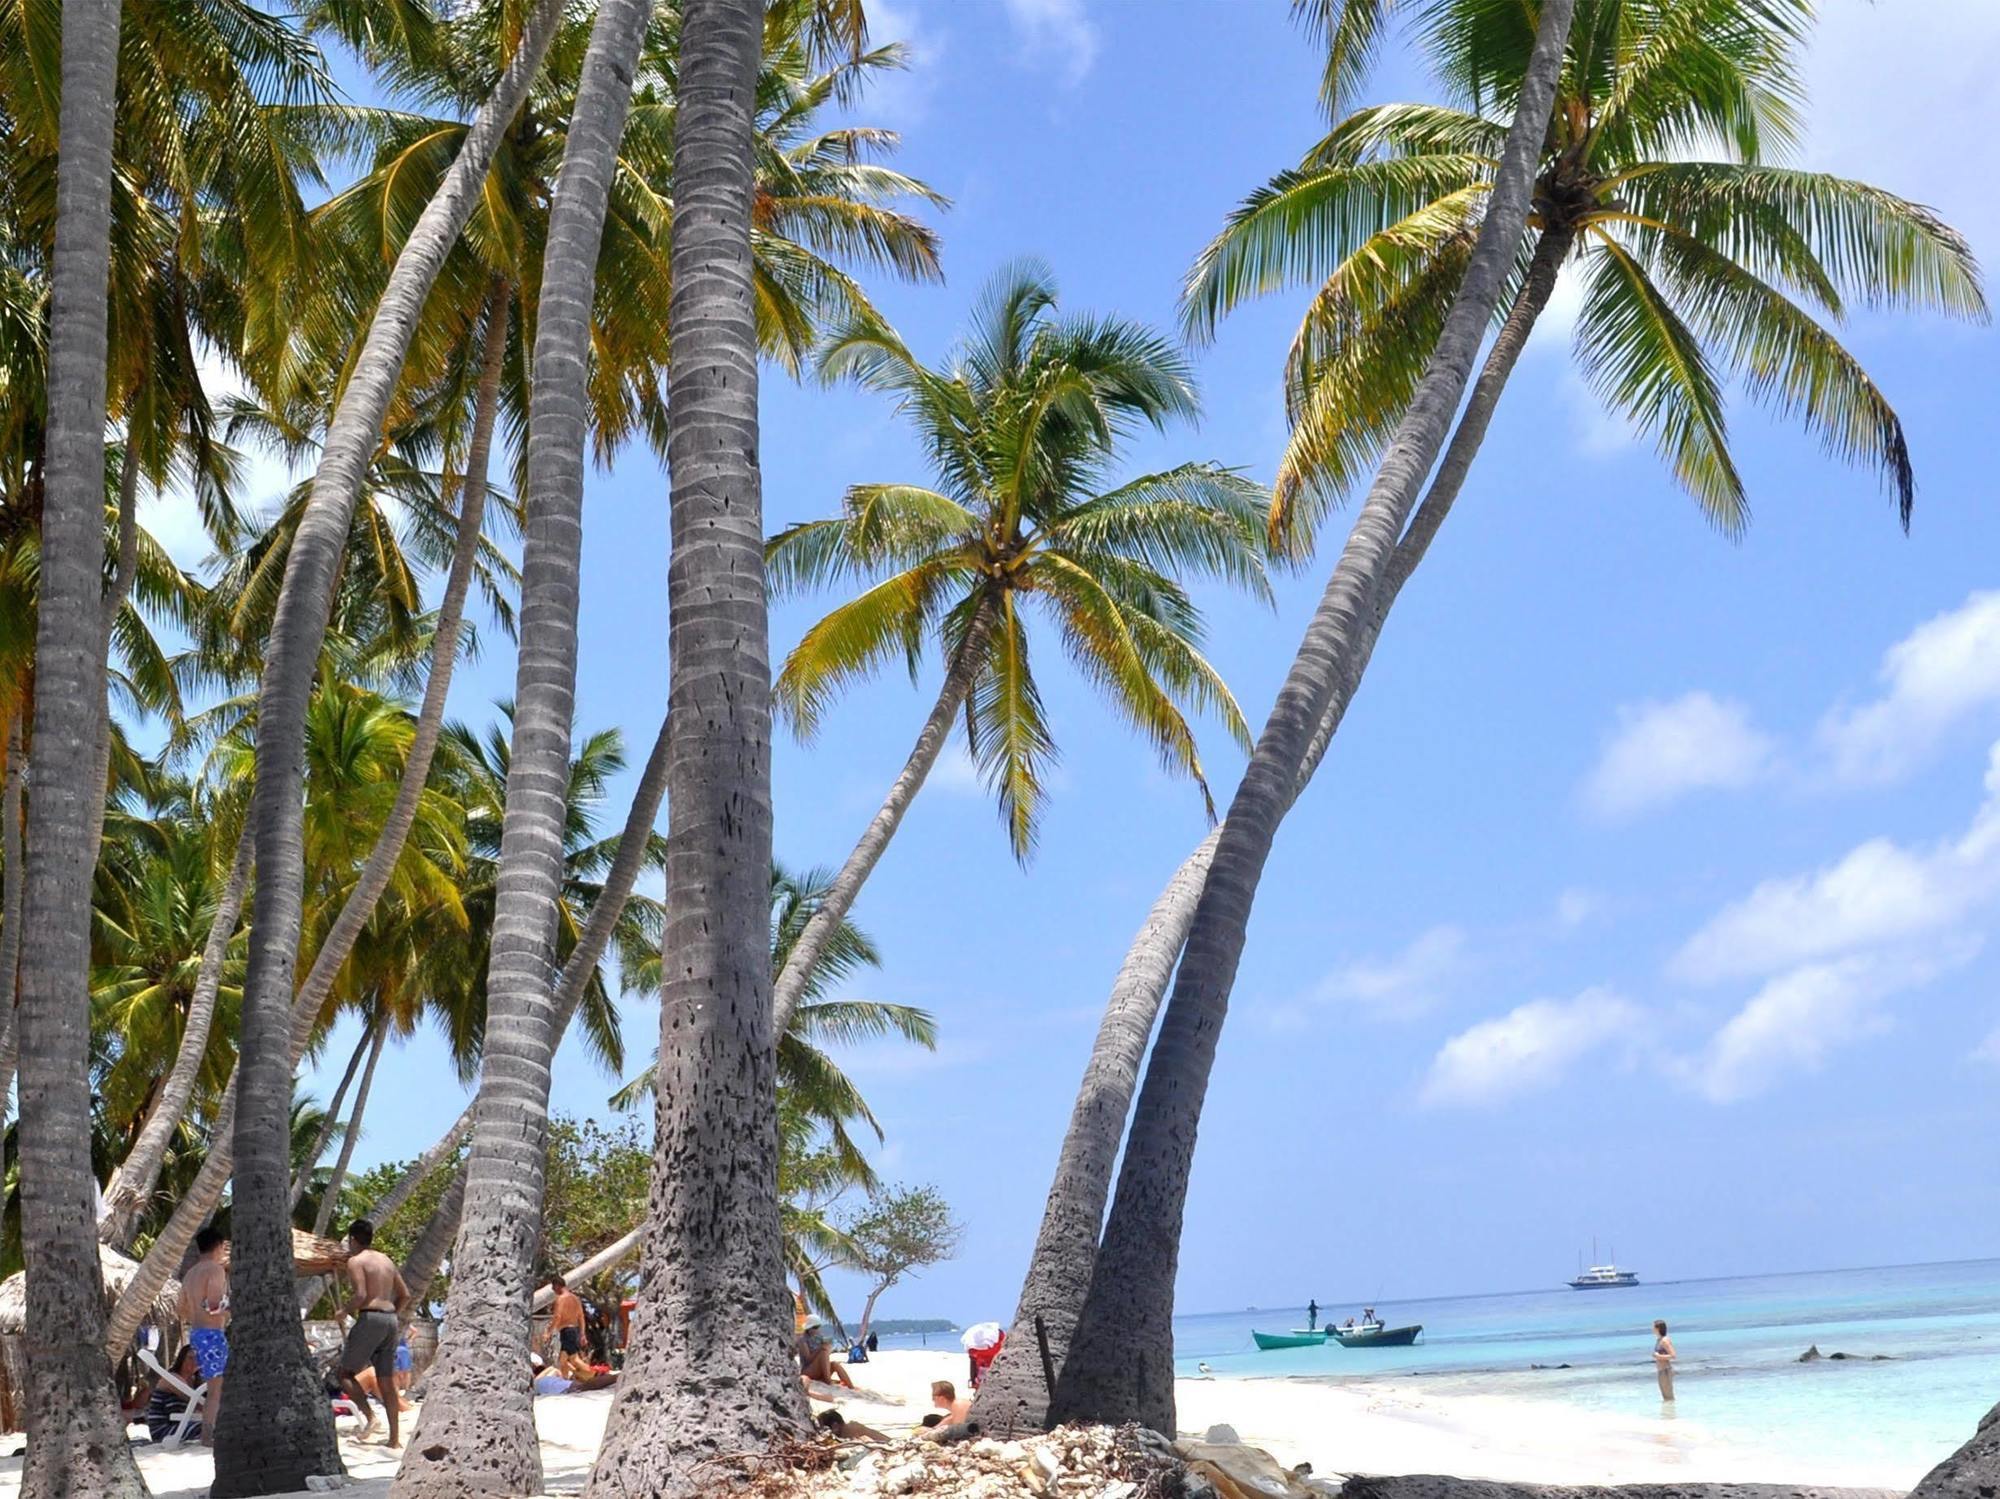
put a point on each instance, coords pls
(1383, 1427)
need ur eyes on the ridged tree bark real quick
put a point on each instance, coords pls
(793, 982)
(76, 1440)
(11, 874)
(1120, 1364)
(132, 1183)
(323, 1136)
(329, 1202)
(476, 1433)
(577, 968)
(709, 1372)
(1015, 1395)
(277, 1428)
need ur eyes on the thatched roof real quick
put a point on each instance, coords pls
(118, 1274)
(311, 1255)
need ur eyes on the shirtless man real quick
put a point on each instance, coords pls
(379, 1298)
(566, 1327)
(205, 1312)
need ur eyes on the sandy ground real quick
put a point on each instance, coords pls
(1378, 1428)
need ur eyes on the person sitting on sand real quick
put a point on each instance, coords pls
(815, 1356)
(373, 1386)
(164, 1402)
(1663, 1360)
(955, 1407)
(846, 1430)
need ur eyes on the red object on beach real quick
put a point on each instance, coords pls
(982, 1358)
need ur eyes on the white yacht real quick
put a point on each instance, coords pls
(1599, 1277)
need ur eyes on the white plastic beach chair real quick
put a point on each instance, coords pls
(190, 1416)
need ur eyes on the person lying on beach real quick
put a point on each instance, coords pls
(815, 1356)
(373, 1386)
(547, 1381)
(846, 1430)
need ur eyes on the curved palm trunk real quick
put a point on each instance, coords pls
(420, 1268)
(577, 968)
(131, 1185)
(709, 1372)
(329, 1203)
(1015, 1395)
(276, 1429)
(476, 1433)
(840, 894)
(11, 874)
(1120, 1364)
(330, 1121)
(76, 1442)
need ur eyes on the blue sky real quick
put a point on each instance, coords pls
(1643, 894)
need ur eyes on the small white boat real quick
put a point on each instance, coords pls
(1602, 1277)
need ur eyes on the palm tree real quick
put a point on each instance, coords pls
(1129, 1375)
(1692, 270)
(74, 1438)
(280, 1429)
(714, 1377)
(1024, 426)
(478, 1404)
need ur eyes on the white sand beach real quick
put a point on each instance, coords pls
(1388, 1427)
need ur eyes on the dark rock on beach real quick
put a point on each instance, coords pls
(1434, 1486)
(1972, 1472)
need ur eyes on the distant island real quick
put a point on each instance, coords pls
(898, 1326)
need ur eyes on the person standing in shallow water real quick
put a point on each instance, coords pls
(1663, 1360)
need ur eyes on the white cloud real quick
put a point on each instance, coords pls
(1878, 893)
(1941, 672)
(1664, 750)
(1795, 1020)
(1575, 906)
(1058, 30)
(903, 98)
(1528, 1048)
(1989, 1049)
(1407, 984)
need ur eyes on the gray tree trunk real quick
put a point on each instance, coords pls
(709, 1372)
(839, 899)
(114, 599)
(577, 968)
(131, 1185)
(11, 873)
(476, 1433)
(420, 1268)
(1015, 1395)
(330, 1120)
(329, 1203)
(277, 1429)
(1120, 1363)
(76, 1441)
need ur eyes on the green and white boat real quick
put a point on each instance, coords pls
(1298, 1337)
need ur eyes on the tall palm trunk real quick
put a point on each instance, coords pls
(1015, 1395)
(277, 1428)
(113, 601)
(11, 874)
(1120, 1364)
(577, 968)
(330, 1120)
(76, 1442)
(476, 1434)
(131, 1185)
(709, 1372)
(840, 894)
(329, 1202)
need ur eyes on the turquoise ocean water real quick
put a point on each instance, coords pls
(1738, 1339)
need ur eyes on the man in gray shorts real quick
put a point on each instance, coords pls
(379, 1299)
